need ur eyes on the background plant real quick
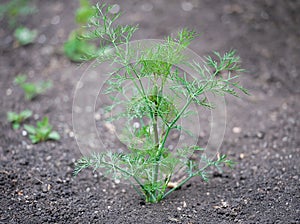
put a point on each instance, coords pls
(17, 119)
(76, 48)
(148, 163)
(24, 35)
(42, 132)
(31, 90)
(13, 9)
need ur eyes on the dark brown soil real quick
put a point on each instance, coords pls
(36, 182)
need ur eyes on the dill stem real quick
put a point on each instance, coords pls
(156, 138)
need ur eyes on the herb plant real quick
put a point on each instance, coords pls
(148, 163)
(13, 9)
(17, 119)
(24, 35)
(76, 48)
(42, 132)
(31, 90)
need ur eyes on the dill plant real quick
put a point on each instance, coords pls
(148, 163)
(13, 10)
(79, 49)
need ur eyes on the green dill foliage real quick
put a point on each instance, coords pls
(13, 9)
(24, 35)
(31, 90)
(76, 48)
(42, 132)
(148, 163)
(17, 119)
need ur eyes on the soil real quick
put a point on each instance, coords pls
(262, 134)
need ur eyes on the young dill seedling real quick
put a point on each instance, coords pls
(76, 48)
(148, 163)
(17, 119)
(13, 9)
(31, 90)
(42, 132)
(24, 35)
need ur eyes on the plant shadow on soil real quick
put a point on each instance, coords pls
(262, 135)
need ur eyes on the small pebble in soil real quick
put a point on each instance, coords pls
(115, 9)
(24, 133)
(291, 120)
(8, 92)
(36, 116)
(111, 128)
(260, 134)
(71, 134)
(42, 39)
(28, 146)
(236, 130)
(284, 106)
(136, 125)
(242, 156)
(273, 116)
(224, 204)
(285, 139)
(46, 188)
(97, 116)
(65, 99)
(55, 20)
(147, 7)
(23, 162)
(187, 6)
(173, 219)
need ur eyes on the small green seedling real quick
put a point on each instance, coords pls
(76, 48)
(31, 90)
(13, 9)
(157, 94)
(17, 119)
(24, 35)
(42, 132)
(85, 12)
